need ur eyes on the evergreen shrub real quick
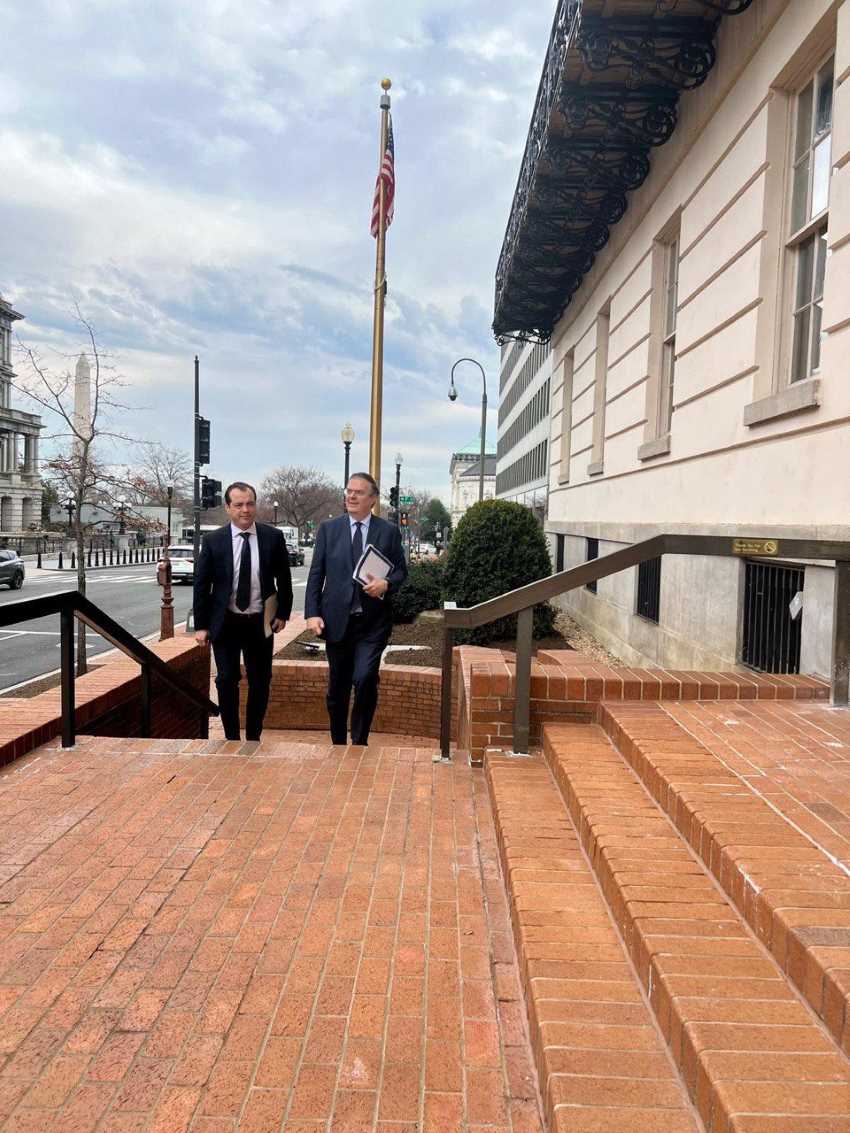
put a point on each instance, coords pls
(422, 590)
(497, 546)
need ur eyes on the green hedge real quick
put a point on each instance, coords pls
(497, 546)
(422, 590)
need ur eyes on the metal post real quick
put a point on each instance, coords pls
(347, 461)
(166, 617)
(169, 492)
(146, 702)
(376, 404)
(483, 441)
(841, 636)
(66, 642)
(522, 679)
(59, 564)
(196, 504)
(446, 693)
(397, 497)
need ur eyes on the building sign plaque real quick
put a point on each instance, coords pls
(755, 547)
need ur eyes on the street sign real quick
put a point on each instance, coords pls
(405, 499)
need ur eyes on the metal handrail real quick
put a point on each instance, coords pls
(71, 604)
(523, 600)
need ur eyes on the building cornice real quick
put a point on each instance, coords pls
(608, 95)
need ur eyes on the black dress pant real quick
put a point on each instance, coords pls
(243, 635)
(355, 662)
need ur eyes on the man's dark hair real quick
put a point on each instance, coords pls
(242, 486)
(369, 480)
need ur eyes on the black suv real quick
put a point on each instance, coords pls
(12, 569)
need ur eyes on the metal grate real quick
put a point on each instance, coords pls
(560, 540)
(592, 553)
(649, 590)
(771, 636)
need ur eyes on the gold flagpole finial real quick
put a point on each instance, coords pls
(386, 84)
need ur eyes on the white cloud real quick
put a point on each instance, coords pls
(199, 177)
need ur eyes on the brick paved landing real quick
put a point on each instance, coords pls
(297, 937)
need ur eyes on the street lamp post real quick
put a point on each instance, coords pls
(275, 505)
(398, 459)
(347, 435)
(453, 397)
(69, 507)
(122, 503)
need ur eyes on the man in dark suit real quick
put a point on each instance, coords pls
(356, 621)
(242, 586)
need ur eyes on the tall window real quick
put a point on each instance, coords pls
(566, 417)
(668, 347)
(603, 330)
(809, 218)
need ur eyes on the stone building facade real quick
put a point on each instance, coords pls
(464, 471)
(681, 239)
(20, 482)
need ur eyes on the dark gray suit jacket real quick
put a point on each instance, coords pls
(330, 586)
(214, 576)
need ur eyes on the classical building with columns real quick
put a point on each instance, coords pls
(20, 483)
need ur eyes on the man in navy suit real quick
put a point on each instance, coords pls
(242, 566)
(356, 621)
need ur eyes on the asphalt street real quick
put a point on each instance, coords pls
(129, 594)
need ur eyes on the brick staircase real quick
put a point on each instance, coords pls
(679, 884)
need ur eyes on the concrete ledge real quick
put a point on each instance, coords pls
(793, 399)
(659, 446)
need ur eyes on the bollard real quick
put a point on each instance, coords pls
(88, 561)
(110, 556)
(73, 560)
(38, 561)
(125, 556)
(59, 564)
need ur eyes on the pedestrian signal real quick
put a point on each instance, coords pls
(210, 493)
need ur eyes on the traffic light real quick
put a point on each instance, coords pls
(403, 519)
(210, 493)
(394, 497)
(203, 441)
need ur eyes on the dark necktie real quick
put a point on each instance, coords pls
(243, 587)
(356, 552)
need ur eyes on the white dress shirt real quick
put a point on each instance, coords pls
(255, 606)
(364, 527)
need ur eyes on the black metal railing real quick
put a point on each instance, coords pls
(771, 637)
(72, 605)
(523, 600)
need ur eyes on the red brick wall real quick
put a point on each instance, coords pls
(408, 698)
(108, 702)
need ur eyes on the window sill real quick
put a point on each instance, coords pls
(795, 398)
(658, 447)
(596, 468)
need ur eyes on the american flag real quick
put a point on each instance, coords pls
(387, 175)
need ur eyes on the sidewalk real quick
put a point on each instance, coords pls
(293, 937)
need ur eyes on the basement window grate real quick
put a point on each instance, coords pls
(648, 603)
(771, 635)
(592, 553)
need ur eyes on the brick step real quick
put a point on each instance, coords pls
(754, 1058)
(601, 1059)
(793, 893)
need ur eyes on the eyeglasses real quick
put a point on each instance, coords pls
(356, 492)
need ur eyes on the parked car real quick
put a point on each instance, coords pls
(182, 563)
(12, 569)
(296, 555)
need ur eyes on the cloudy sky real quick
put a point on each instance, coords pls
(198, 175)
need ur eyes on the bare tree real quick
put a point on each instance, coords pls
(74, 469)
(158, 469)
(302, 494)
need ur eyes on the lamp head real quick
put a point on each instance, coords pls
(347, 433)
(452, 392)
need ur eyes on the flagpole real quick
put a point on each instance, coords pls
(379, 296)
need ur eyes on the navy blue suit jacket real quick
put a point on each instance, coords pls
(214, 576)
(330, 586)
